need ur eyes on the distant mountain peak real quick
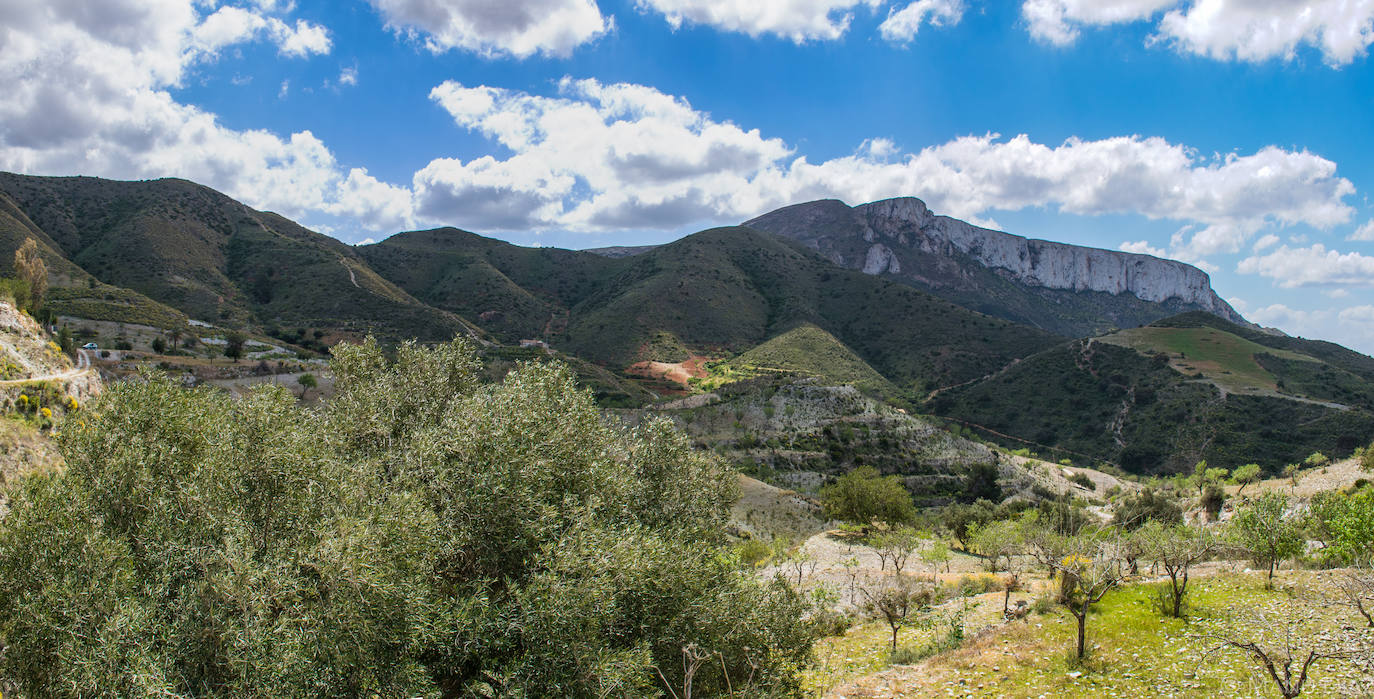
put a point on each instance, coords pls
(983, 268)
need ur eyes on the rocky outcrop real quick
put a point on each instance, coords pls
(903, 238)
(1048, 264)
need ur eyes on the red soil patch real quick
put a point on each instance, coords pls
(677, 373)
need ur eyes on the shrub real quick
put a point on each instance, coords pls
(421, 534)
(862, 497)
(976, 584)
(1083, 480)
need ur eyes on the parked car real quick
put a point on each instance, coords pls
(90, 345)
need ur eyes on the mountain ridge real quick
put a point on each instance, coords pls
(1011, 276)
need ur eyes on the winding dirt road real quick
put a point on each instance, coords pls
(83, 366)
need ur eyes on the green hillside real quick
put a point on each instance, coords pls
(719, 292)
(1135, 405)
(1243, 360)
(809, 351)
(731, 289)
(203, 255)
(512, 292)
(1227, 360)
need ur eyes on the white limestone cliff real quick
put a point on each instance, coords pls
(1038, 262)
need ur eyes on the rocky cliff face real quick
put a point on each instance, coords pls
(989, 269)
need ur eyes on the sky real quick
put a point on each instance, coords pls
(1236, 135)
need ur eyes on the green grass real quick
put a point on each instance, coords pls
(1136, 652)
(807, 350)
(1226, 359)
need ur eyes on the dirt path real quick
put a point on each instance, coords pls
(83, 366)
(351, 277)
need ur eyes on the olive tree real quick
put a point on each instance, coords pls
(896, 546)
(1266, 532)
(863, 497)
(997, 542)
(895, 602)
(421, 533)
(1245, 475)
(29, 266)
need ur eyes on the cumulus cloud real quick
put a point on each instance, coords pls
(88, 92)
(1058, 21)
(599, 156)
(797, 20)
(902, 25)
(235, 25)
(1311, 266)
(518, 28)
(1246, 30)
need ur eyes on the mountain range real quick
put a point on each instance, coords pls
(1101, 355)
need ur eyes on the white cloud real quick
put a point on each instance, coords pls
(1057, 21)
(491, 28)
(797, 20)
(1311, 266)
(1257, 30)
(628, 156)
(1363, 233)
(1141, 247)
(1352, 326)
(348, 76)
(902, 25)
(1267, 240)
(234, 25)
(88, 92)
(1246, 30)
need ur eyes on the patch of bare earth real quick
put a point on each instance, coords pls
(675, 372)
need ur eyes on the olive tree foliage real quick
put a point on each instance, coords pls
(863, 497)
(422, 533)
(1245, 475)
(1344, 522)
(998, 542)
(1267, 533)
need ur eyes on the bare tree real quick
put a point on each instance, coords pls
(1176, 549)
(1357, 591)
(1089, 571)
(896, 546)
(1288, 663)
(895, 602)
(1011, 582)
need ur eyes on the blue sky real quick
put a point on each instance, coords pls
(1232, 134)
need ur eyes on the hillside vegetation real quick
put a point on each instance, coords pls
(806, 350)
(421, 534)
(161, 251)
(1189, 388)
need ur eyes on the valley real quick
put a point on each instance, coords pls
(909, 483)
